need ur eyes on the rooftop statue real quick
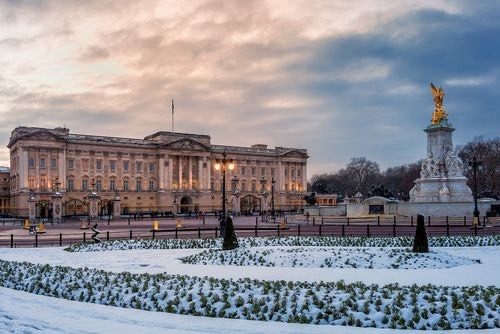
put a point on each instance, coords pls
(439, 112)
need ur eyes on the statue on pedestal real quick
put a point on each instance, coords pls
(439, 112)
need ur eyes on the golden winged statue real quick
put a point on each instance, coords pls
(439, 112)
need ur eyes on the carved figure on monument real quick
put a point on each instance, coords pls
(439, 112)
(454, 165)
(430, 168)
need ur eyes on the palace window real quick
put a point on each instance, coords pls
(125, 166)
(31, 182)
(125, 185)
(263, 171)
(98, 185)
(138, 185)
(151, 167)
(43, 182)
(71, 164)
(71, 184)
(272, 171)
(243, 186)
(112, 165)
(138, 167)
(286, 171)
(151, 185)
(298, 172)
(253, 171)
(42, 162)
(293, 172)
(243, 170)
(31, 163)
(85, 184)
(53, 163)
(254, 186)
(85, 164)
(112, 185)
(98, 165)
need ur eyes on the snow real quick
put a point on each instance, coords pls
(21, 312)
(485, 273)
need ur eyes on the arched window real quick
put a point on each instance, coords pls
(43, 182)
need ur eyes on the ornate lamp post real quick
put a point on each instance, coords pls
(263, 183)
(475, 165)
(223, 165)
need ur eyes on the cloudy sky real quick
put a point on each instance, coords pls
(340, 78)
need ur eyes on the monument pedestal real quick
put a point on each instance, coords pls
(441, 190)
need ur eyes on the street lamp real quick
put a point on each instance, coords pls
(223, 165)
(475, 164)
(263, 183)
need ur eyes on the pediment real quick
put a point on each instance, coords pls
(38, 135)
(294, 154)
(42, 135)
(186, 144)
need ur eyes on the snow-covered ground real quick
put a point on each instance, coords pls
(22, 312)
(154, 261)
(157, 279)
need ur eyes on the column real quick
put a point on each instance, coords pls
(62, 168)
(180, 172)
(209, 173)
(201, 181)
(23, 168)
(116, 206)
(170, 173)
(161, 172)
(304, 177)
(190, 175)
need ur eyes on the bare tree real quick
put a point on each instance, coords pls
(487, 151)
(363, 172)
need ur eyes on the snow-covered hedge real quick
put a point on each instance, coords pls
(455, 241)
(335, 303)
(328, 257)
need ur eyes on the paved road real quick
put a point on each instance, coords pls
(69, 232)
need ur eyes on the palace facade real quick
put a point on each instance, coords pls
(165, 171)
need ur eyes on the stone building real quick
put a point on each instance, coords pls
(4, 190)
(165, 171)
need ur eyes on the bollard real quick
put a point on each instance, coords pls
(176, 232)
(154, 231)
(130, 234)
(368, 230)
(347, 221)
(378, 220)
(314, 221)
(84, 237)
(36, 239)
(60, 239)
(343, 231)
(393, 230)
(411, 220)
(484, 221)
(429, 220)
(199, 232)
(203, 219)
(447, 229)
(107, 235)
(129, 220)
(256, 230)
(216, 231)
(465, 221)
(298, 229)
(109, 218)
(256, 220)
(446, 220)
(394, 220)
(322, 220)
(12, 241)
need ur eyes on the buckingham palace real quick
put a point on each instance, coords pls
(164, 171)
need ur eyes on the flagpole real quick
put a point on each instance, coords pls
(172, 116)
